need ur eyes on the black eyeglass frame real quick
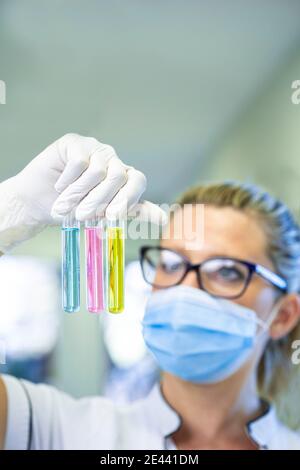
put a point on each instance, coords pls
(265, 273)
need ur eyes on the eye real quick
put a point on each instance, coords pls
(170, 263)
(171, 267)
(232, 274)
(225, 271)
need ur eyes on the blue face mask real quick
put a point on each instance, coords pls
(198, 337)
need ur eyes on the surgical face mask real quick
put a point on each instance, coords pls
(197, 337)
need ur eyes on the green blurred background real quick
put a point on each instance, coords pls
(185, 91)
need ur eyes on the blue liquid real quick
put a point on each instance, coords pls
(70, 269)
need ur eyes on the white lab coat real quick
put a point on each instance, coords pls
(41, 417)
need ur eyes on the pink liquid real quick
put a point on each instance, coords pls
(94, 269)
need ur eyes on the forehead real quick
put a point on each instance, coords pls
(225, 231)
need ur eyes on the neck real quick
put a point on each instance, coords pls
(214, 409)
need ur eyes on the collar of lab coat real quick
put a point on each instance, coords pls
(262, 428)
(166, 420)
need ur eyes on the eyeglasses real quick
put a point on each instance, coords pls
(219, 276)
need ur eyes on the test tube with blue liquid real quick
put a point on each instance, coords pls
(70, 263)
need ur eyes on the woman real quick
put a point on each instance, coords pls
(221, 316)
(216, 351)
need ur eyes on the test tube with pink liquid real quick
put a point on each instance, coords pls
(94, 245)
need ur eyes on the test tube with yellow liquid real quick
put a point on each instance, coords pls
(115, 265)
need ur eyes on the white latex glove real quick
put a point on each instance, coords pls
(73, 172)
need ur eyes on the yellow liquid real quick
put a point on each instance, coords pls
(115, 269)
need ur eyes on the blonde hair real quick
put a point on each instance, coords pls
(275, 370)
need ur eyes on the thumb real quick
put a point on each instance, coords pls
(146, 211)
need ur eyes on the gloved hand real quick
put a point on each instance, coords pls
(73, 172)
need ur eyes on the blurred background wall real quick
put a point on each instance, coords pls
(192, 90)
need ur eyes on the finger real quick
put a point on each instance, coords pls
(146, 211)
(74, 158)
(98, 199)
(73, 169)
(76, 152)
(75, 192)
(128, 196)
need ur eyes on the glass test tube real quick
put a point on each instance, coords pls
(115, 266)
(70, 264)
(94, 265)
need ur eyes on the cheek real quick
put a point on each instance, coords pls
(264, 302)
(260, 300)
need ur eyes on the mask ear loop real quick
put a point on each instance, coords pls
(265, 325)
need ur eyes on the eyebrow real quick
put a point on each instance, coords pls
(186, 253)
(206, 256)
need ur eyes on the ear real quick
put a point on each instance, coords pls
(288, 316)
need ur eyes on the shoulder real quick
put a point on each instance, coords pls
(287, 438)
(279, 436)
(270, 433)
